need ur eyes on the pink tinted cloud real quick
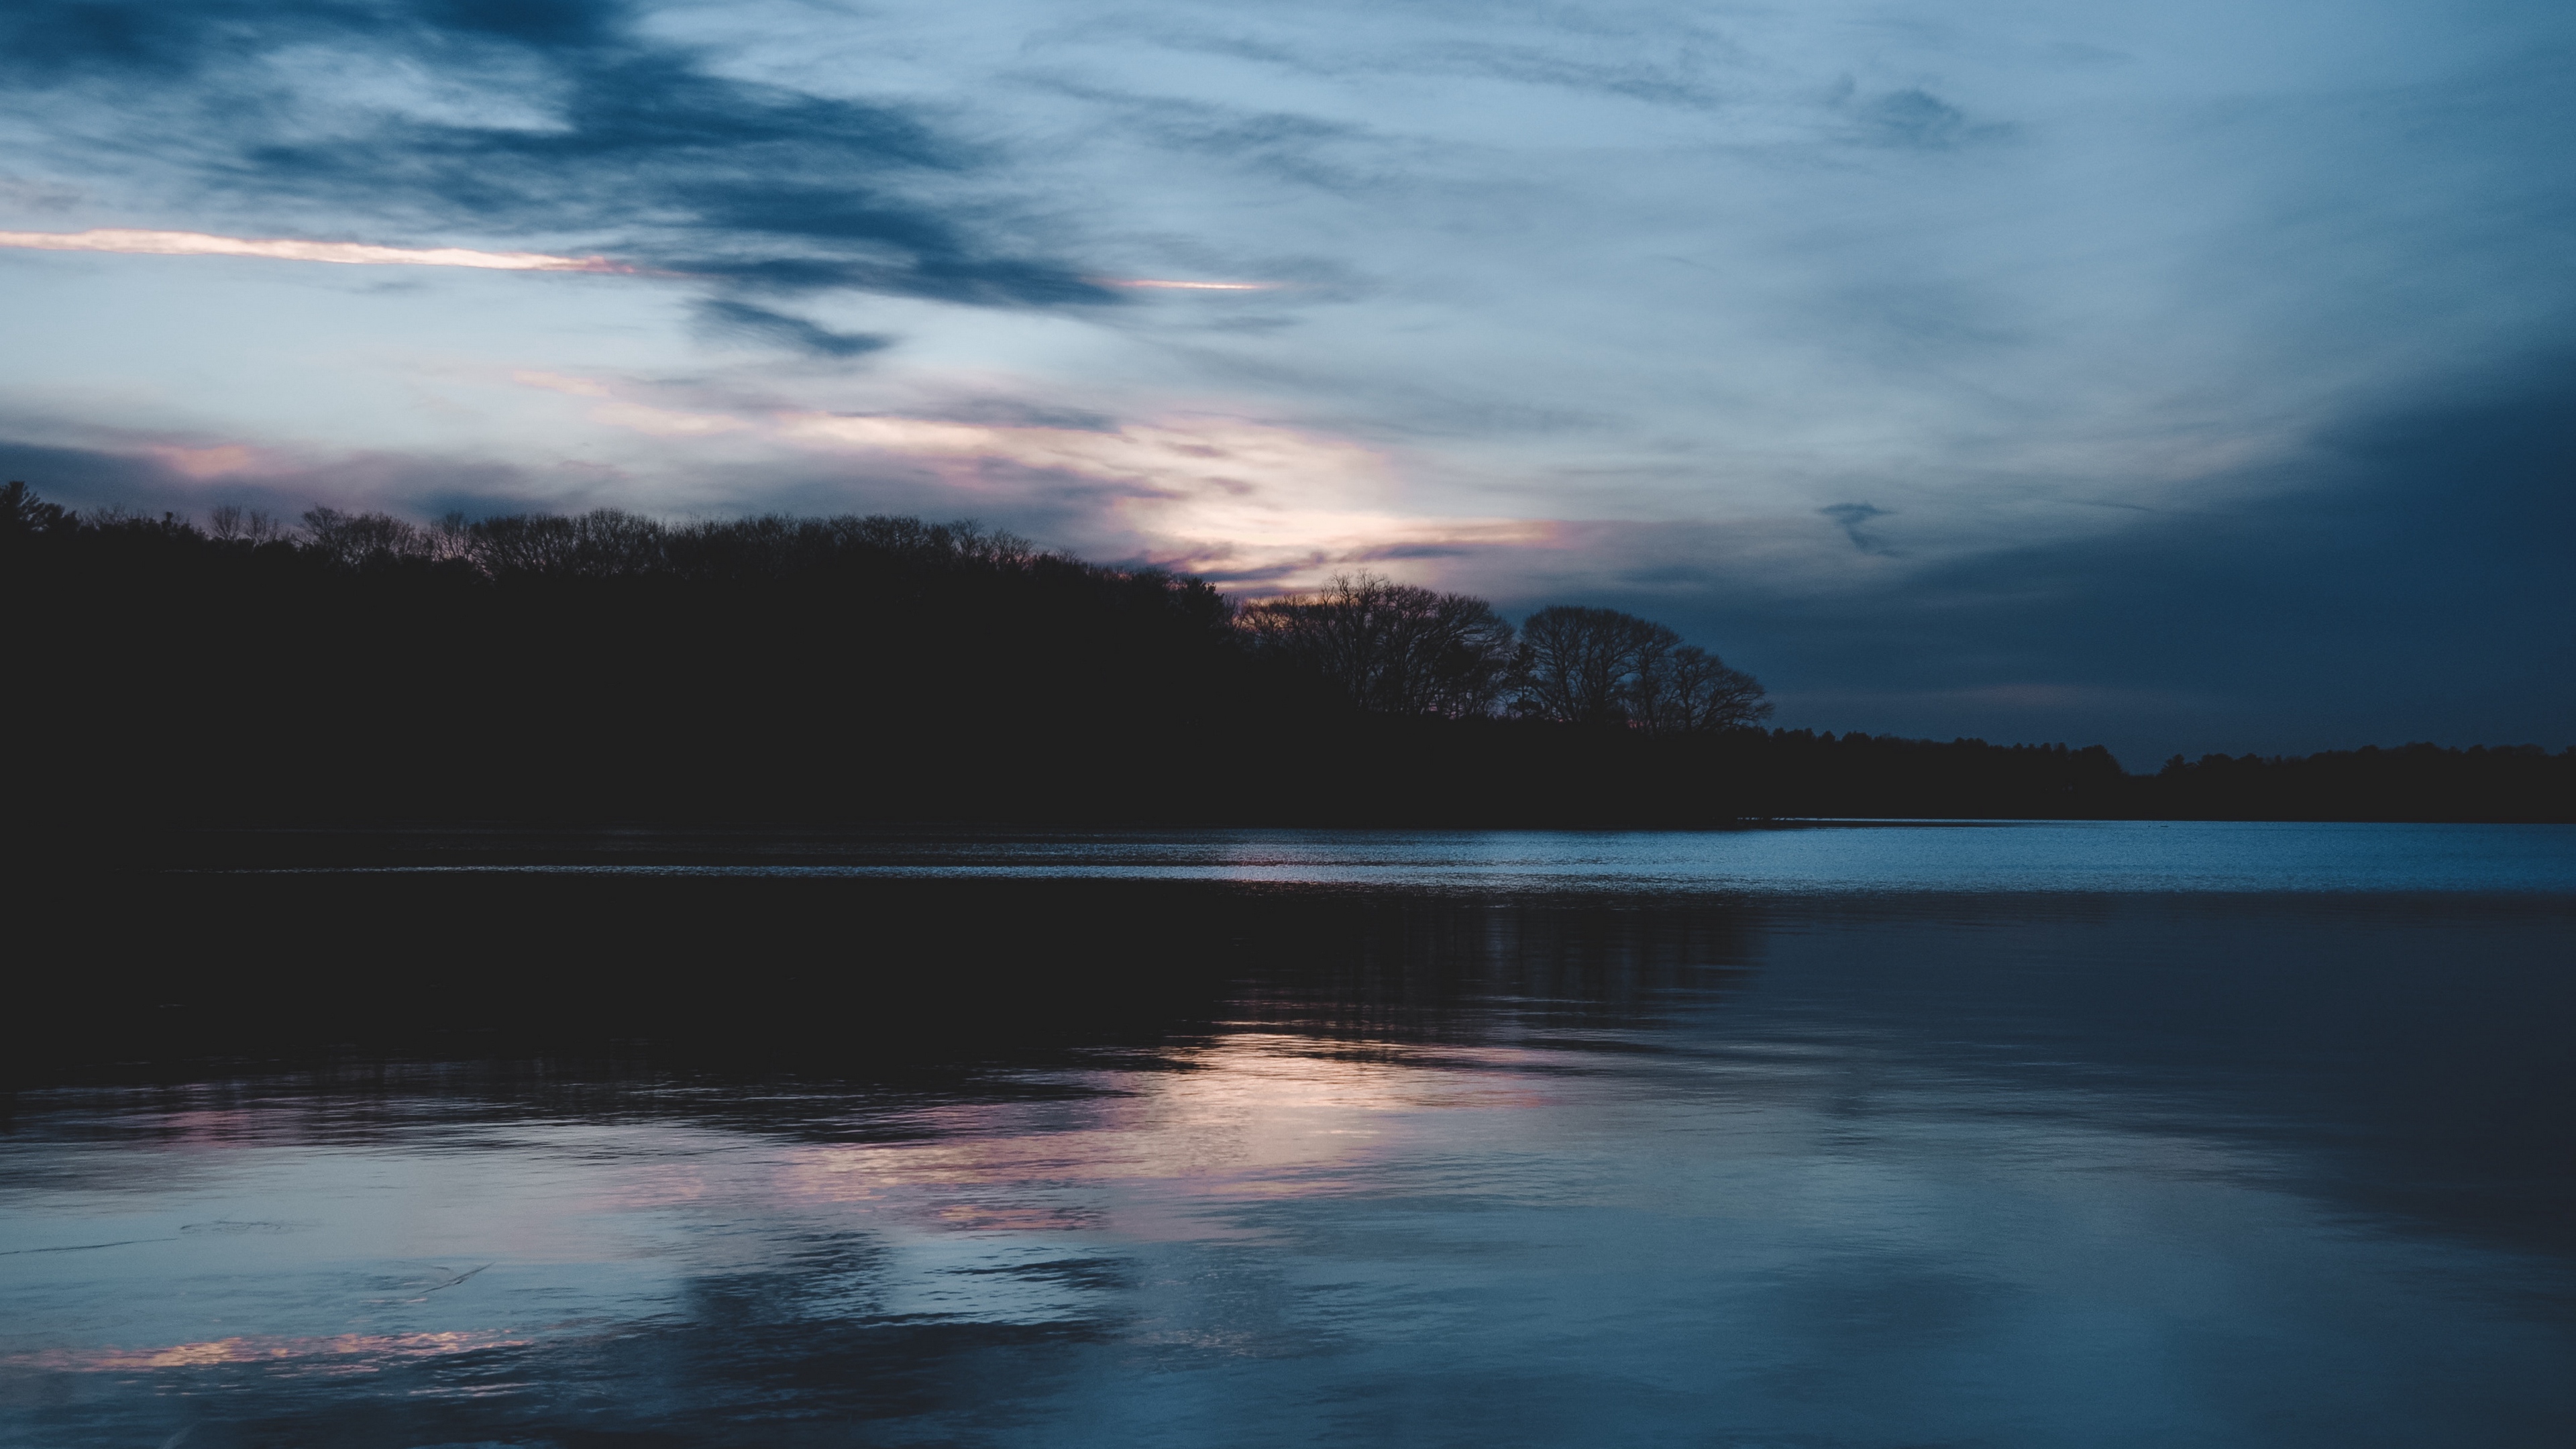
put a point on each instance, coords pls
(139, 242)
(634, 417)
(1166, 285)
(201, 244)
(205, 463)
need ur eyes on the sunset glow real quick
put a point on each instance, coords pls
(1303, 726)
(1751, 325)
(1247, 500)
(1262, 505)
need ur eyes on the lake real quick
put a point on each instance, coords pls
(1868, 1135)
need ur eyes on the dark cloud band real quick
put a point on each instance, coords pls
(644, 150)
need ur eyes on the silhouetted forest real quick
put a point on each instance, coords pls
(612, 668)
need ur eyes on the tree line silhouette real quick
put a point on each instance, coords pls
(358, 667)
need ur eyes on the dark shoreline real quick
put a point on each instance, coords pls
(881, 671)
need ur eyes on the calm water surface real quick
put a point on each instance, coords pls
(1821, 859)
(1975, 1135)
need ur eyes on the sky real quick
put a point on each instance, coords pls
(2195, 377)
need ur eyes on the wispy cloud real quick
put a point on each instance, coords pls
(1160, 284)
(288, 249)
(547, 120)
(1854, 519)
(1262, 291)
(725, 317)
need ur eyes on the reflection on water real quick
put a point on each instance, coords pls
(1390, 1167)
(1809, 859)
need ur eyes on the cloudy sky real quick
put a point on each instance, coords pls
(2182, 377)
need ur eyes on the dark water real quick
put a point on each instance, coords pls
(2023, 1135)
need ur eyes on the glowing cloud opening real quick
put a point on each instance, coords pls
(1271, 506)
(199, 244)
(1266, 506)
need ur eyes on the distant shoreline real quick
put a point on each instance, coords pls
(875, 671)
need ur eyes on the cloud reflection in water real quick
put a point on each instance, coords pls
(1843, 1171)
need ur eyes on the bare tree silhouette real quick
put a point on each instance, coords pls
(1680, 688)
(1602, 666)
(1390, 647)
